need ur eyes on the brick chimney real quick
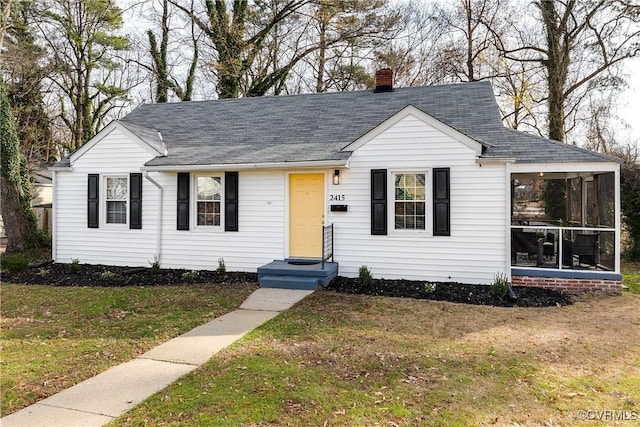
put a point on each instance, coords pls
(384, 80)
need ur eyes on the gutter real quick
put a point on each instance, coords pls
(159, 231)
(248, 166)
(494, 160)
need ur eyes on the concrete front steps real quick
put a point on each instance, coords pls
(293, 273)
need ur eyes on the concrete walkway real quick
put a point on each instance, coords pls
(100, 399)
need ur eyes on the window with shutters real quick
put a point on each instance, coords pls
(116, 198)
(208, 200)
(410, 201)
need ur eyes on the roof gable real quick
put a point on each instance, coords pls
(411, 111)
(146, 142)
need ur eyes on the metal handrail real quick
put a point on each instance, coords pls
(327, 243)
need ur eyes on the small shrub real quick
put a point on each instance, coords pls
(190, 274)
(365, 278)
(500, 286)
(74, 266)
(107, 274)
(155, 266)
(222, 269)
(429, 287)
(14, 262)
(43, 272)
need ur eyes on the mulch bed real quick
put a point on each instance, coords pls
(452, 292)
(101, 275)
(107, 275)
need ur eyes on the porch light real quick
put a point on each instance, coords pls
(541, 174)
(336, 177)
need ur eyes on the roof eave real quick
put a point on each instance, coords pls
(495, 160)
(249, 166)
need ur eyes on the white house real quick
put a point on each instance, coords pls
(419, 183)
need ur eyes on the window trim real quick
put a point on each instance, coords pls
(428, 203)
(194, 203)
(104, 200)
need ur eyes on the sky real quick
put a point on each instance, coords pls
(629, 107)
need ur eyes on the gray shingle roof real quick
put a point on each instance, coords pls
(315, 127)
(150, 136)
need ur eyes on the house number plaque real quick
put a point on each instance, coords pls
(337, 198)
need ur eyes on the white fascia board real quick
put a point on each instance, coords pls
(494, 160)
(104, 133)
(565, 167)
(410, 110)
(248, 166)
(60, 169)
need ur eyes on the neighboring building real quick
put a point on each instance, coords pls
(417, 183)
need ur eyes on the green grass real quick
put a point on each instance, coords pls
(343, 360)
(54, 337)
(631, 276)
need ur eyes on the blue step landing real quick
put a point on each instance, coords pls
(297, 274)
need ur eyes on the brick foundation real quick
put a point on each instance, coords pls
(570, 285)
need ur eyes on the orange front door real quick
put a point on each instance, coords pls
(306, 214)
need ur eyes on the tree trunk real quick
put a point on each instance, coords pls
(557, 66)
(322, 51)
(16, 224)
(15, 187)
(470, 71)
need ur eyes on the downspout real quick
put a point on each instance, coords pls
(507, 215)
(54, 225)
(159, 232)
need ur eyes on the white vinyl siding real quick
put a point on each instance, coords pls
(473, 253)
(261, 233)
(115, 155)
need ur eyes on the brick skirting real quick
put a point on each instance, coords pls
(569, 285)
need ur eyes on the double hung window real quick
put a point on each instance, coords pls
(410, 201)
(208, 199)
(116, 199)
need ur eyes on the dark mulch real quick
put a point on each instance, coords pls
(452, 292)
(102, 275)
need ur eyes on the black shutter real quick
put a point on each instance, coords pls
(441, 208)
(231, 201)
(135, 200)
(379, 201)
(93, 200)
(183, 201)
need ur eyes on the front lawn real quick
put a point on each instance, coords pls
(54, 337)
(631, 276)
(344, 360)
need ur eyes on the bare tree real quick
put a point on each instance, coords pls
(244, 37)
(583, 44)
(161, 69)
(82, 37)
(348, 33)
(5, 14)
(474, 27)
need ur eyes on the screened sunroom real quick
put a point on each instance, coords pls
(565, 218)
